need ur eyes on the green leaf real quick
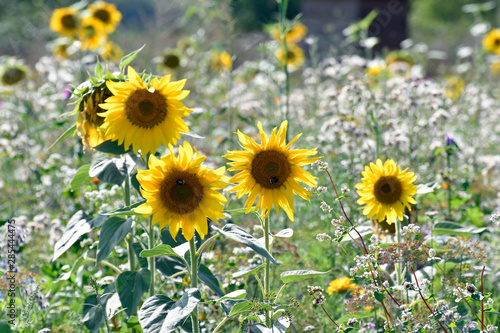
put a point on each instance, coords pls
(112, 147)
(78, 225)
(235, 307)
(112, 170)
(128, 58)
(166, 250)
(206, 276)
(293, 276)
(252, 271)
(438, 151)
(131, 285)
(68, 133)
(169, 266)
(99, 71)
(113, 232)
(81, 177)
(379, 296)
(160, 314)
(285, 233)
(125, 211)
(5, 326)
(133, 323)
(80, 261)
(279, 326)
(237, 294)
(455, 229)
(143, 262)
(93, 315)
(494, 312)
(239, 235)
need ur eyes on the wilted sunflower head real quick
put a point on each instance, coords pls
(106, 16)
(386, 190)
(65, 21)
(12, 71)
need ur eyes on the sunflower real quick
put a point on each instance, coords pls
(491, 41)
(455, 87)
(90, 118)
(170, 60)
(145, 116)
(111, 51)
(340, 285)
(180, 193)
(65, 21)
(90, 36)
(222, 61)
(271, 171)
(386, 191)
(12, 74)
(106, 15)
(295, 56)
(296, 33)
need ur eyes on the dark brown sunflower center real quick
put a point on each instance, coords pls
(13, 75)
(89, 31)
(388, 190)
(270, 168)
(171, 61)
(290, 55)
(497, 42)
(146, 109)
(181, 192)
(69, 21)
(102, 15)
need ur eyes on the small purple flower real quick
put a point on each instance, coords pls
(449, 140)
(66, 93)
(369, 325)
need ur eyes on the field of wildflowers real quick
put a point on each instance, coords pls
(201, 189)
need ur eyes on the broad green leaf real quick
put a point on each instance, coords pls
(131, 285)
(112, 170)
(239, 235)
(143, 262)
(93, 315)
(455, 229)
(113, 232)
(169, 266)
(81, 177)
(68, 133)
(166, 250)
(112, 147)
(5, 326)
(252, 271)
(80, 261)
(78, 225)
(160, 314)
(128, 58)
(237, 294)
(235, 307)
(125, 211)
(133, 323)
(206, 276)
(293, 276)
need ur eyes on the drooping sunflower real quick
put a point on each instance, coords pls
(145, 116)
(296, 33)
(180, 193)
(386, 190)
(491, 42)
(106, 15)
(90, 36)
(271, 171)
(13, 72)
(295, 56)
(65, 21)
(340, 285)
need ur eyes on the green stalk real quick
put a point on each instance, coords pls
(194, 283)
(267, 273)
(397, 265)
(151, 260)
(448, 166)
(130, 237)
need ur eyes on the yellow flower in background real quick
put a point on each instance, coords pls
(455, 87)
(491, 41)
(91, 38)
(90, 119)
(271, 171)
(106, 16)
(296, 33)
(386, 191)
(222, 61)
(340, 285)
(65, 21)
(375, 67)
(180, 193)
(495, 68)
(145, 116)
(111, 52)
(295, 56)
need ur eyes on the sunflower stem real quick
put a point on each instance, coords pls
(397, 264)
(194, 282)
(151, 260)
(283, 7)
(267, 273)
(130, 238)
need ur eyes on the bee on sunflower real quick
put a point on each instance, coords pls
(271, 171)
(386, 190)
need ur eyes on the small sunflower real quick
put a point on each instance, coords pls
(386, 191)
(340, 285)
(271, 171)
(180, 193)
(13, 73)
(296, 33)
(222, 61)
(65, 21)
(106, 15)
(170, 60)
(491, 42)
(90, 118)
(145, 116)
(455, 87)
(295, 56)
(111, 51)
(90, 36)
